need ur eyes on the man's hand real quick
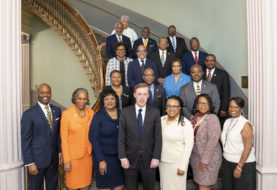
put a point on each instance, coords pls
(67, 166)
(223, 113)
(60, 158)
(33, 170)
(125, 163)
(180, 172)
(237, 173)
(154, 163)
(160, 81)
(102, 167)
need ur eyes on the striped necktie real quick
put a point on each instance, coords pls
(173, 44)
(198, 90)
(162, 59)
(48, 117)
(209, 78)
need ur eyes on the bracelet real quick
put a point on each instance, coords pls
(239, 168)
(240, 165)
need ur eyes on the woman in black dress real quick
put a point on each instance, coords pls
(103, 135)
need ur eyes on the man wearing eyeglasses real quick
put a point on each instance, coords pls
(157, 96)
(137, 67)
(196, 87)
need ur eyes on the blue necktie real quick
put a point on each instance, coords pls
(150, 99)
(174, 44)
(140, 121)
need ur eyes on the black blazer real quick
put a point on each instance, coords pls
(180, 49)
(39, 145)
(127, 97)
(111, 43)
(163, 71)
(221, 79)
(131, 145)
(159, 99)
(151, 46)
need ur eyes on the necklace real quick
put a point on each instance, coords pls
(229, 129)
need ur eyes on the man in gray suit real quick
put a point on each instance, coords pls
(140, 140)
(196, 87)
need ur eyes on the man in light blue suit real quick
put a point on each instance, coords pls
(40, 141)
(195, 56)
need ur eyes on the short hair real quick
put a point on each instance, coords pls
(181, 103)
(161, 38)
(211, 106)
(176, 60)
(125, 17)
(194, 38)
(238, 100)
(76, 92)
(211, 55)
(120, 44)
(115, 71)
(106, 92)
(141, 85)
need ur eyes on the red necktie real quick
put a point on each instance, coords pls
(195, 57)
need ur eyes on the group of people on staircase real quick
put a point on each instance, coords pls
(164, 107)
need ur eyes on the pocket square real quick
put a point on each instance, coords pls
(159, 96)
(57, 118)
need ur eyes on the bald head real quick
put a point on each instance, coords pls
(44, 93)
(145, 32)
(118, 28)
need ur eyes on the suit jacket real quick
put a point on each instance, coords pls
(151, 46)
(131, 145)
(39, 144)
(187, 94)
(207, 140)
(188, 61)
(111, 43)
(163, 71)
(159, 99)
(74, 133)
(180, 49)
(221, 79)
(134, 73)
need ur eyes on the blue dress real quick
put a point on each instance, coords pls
(103, 135)
(173, 88)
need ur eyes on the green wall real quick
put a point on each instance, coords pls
(53, 62)
(220, 26)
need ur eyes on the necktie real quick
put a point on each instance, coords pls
(150, 99)
(142, 65)
(198, 89)
(122, 71)
(119, 39)
(140, 122)
(195, 57)
(209, 78)
(173, 44)
(162, 59)
(48, 116)
(145, 43)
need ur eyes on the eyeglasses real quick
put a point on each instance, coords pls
(172, 107)
(141, 50)
(203, 103)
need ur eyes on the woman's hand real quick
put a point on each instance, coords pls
(237, 173)
(102, 167)
(180, 172)
(202, 166)
(67, 166)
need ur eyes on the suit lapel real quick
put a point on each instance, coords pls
(43, 117)
(133, 116)
(204, 86)
(214, 75)
(54, 115)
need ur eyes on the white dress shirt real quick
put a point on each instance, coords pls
(174, 40)
(212, 72)
(161, 52)
(142, 112)
(44, 110)
(195, 85)
(193, 54)
(130, 33)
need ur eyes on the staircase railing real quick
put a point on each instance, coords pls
(72, 27)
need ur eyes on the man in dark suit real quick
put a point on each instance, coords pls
(149, 43)
(195, 56)
(40, 127)
(137, 67)
(163, 59)
(140, 140)
(221, 79)
(176, 44)
(196, 87)
(113, 40)
(157, 97)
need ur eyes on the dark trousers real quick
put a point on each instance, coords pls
(51, 178)
(147, 175)
(247, 181)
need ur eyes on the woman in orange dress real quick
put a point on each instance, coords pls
(76, 147)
